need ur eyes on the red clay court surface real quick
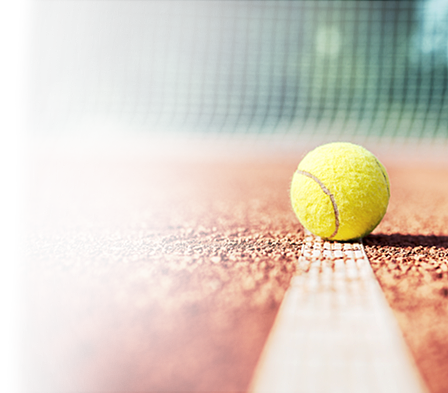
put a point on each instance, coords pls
(163, 275)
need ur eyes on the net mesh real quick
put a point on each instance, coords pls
(263, 67)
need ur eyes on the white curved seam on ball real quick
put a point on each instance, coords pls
(327, 192)
(384, 176)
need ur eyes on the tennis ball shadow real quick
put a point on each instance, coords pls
(399, 240)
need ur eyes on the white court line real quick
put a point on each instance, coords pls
(335, 332)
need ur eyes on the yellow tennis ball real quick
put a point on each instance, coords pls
(340, 191)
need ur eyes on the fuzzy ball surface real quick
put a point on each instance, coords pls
(340, 191)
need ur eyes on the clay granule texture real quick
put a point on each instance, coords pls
(154, 276)
(409, 254)
(151, 275)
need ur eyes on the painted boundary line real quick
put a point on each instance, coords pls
(335, 331)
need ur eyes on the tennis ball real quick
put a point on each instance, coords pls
(340, 191)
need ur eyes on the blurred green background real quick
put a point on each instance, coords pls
(338, 68)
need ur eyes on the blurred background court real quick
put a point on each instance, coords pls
(161, 140)
(343, 69)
